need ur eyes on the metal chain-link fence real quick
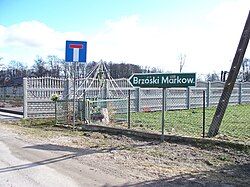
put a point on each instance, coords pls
(111, 112)
(235, 124)
(183, 112)
(186, 113)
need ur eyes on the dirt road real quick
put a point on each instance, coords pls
(38, 154)
(25, 164)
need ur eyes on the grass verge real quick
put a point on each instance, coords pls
(235, 125)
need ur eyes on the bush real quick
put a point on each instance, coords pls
(55, 97)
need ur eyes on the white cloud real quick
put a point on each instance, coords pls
(209, 46)
(25, 40)
(127, 40)
(230, 12)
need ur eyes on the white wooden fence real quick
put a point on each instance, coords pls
(37, 92)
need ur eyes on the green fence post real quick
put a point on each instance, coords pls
(240, 93)
(204, 113)
(163, 113)
(84, 106)
(188, 97)
(129, 111)
(56, 112)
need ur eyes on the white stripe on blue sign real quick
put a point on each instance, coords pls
(76, 51)
(75, 54)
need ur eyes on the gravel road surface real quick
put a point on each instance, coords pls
(26, 164)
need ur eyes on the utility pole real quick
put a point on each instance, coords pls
(229, 85)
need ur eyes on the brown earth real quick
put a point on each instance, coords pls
(142, 162)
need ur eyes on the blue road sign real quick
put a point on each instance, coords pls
(76, 51)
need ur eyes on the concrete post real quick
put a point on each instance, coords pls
(25, 98)
(66, 95)
(138, 99)
(166, 97)
(208, 93)
(65, 89)
(104, 94)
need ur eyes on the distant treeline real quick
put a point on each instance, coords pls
(56, 67)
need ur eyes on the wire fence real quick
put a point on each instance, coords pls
(183, 106)
(189, 122)
(179, 119)
(111, 112)
(236, 123)
(192, 122)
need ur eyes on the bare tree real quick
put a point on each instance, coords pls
(245, 72)
(213, 77)
(182, 60)
(40, 67)
(17, 69)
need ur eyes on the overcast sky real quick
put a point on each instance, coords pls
(144, 32)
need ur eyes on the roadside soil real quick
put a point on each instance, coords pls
(142, 162)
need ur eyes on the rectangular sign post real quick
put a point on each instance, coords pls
(163, 113)
(76, 51)
(163, 80)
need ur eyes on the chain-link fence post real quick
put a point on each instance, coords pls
(188, 97)
(163, 113)
(129, 111)
(83, 116)
(204, 113)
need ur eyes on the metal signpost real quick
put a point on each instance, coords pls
(76, 51)
(163, 80)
